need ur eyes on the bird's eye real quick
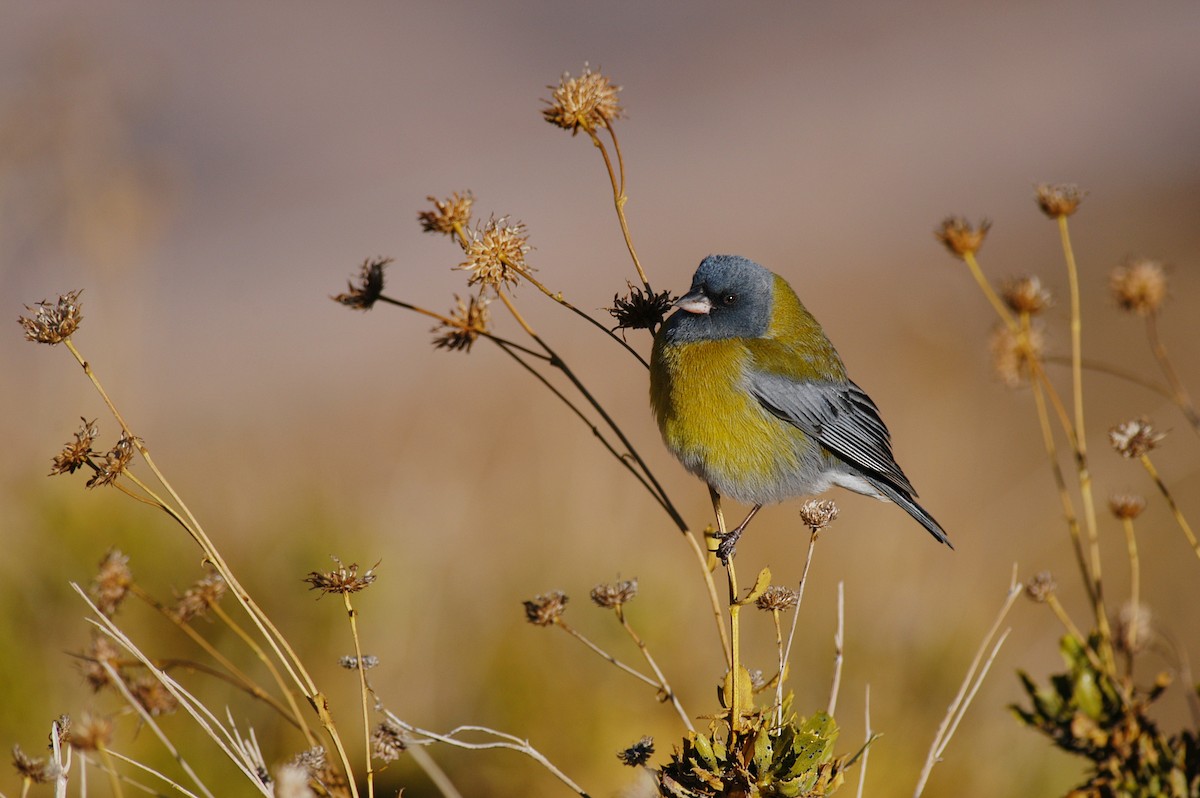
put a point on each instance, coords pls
(728, 299)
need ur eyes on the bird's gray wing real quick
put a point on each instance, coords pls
(839, 415)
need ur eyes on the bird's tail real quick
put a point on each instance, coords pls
(905, 500)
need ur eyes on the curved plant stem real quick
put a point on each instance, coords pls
(1179, 394)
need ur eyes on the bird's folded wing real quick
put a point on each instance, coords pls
(838, 415)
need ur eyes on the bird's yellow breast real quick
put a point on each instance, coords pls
(713, 424)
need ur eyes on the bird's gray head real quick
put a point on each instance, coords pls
(730, 297)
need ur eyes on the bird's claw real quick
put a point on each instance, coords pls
(727, 545)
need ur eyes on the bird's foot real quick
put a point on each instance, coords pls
(727, 545)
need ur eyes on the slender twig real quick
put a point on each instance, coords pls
(1135, 590)
(365, 691)
(837, 648)
(619, 196)
(862, 769)
(664, 685)
(634, 672)
(997, 304)
(1179, 393)
(970, 685)
(1179, 518)
(787, 652)
(151, 771)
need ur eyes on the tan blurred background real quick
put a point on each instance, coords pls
(210, 173)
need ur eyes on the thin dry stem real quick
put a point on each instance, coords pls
(1179, 517)
(664, 685)
(365, 692)
(787, 653)
(837, 649)
(862, 769)
(1179, 393)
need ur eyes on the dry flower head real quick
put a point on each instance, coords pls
(545, 609)
(777, 598)
(112, 582)
(1134, 438)
(387, 741)
(351, 662)
(1135, 628)
(448, 216)
(1139, 286)
(101, 651)
(34, 769)
(52, 322)
(91, 732)
(153, 695)
(116, 460)
(344, 579)
(1058, 199)
(611, 596)
(1126, 505)
(637, 754)
(496, 253)
(291, 781)
(588, 102)
(1026, 295)
(468, 321)
(960, 237)
(1041, 587)
(78, 452)
(1014, 353)
(366, 292)
(818, 513)
(197, 599)
(641, 309)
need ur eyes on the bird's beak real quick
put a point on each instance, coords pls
(694, 302)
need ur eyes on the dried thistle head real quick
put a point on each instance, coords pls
(468, 320)
(352, 662)
(1041, 587)
(91, 732)
(777, 598)
(545, 609)
(1134, 438)
(344, 579)
(101, 651)
(387, 741)
(112, 582)
(1126, 505)
(960, 237)
(197, 599)
(449, 215)
(640, 310)
(76, 454)
(588, 102)
(612, 596)
(1058, 199)
(116, 460)
(1135, 628)
(818, 513)
(53, 322)
(153, 695)
(1139, 286)
(364, 294)
(1014, 353)
(496, 253)
(637, 754)
(1026, 295)
(35, 770)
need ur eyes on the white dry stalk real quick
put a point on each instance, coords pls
(837, 648)
(151, 771)
(862, 769)
(227, 741)
(970, 685)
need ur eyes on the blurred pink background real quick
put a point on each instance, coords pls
(211, 173)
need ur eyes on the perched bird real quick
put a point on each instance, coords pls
(752, 397)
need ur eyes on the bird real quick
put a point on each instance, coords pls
(751, 396)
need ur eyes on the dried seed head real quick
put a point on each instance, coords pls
(545, 609)
(53, 323)
(960, 237)
(1014, 353)
(758, 679)
(818, 513)
(364, 294)
(777, 598)
(100, 650)
(343, 579)
(291, 781)
(637, 754)
(76, 453)
(640, 310)
(1139, 286)
(1026, 295)
(614, 595)
(154, 697)
(112, 582)
(387, 741)
(351, 662)
(1126, 505)
(469, 319)
(1041, 587)
(1058, 199)
(116, 460)
(496, 253)
(1134, 438)
(91, 732)
(1135, 628)
(313, 761)
(448, 215)
(36, 770)
(588, 102)
(197, 599)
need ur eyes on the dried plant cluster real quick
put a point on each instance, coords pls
(752, 742)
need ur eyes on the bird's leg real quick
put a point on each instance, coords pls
(729, 539)
(711, 539)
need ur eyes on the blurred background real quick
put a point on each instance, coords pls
(209, 174)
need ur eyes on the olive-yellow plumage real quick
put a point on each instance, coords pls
(752, 397)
